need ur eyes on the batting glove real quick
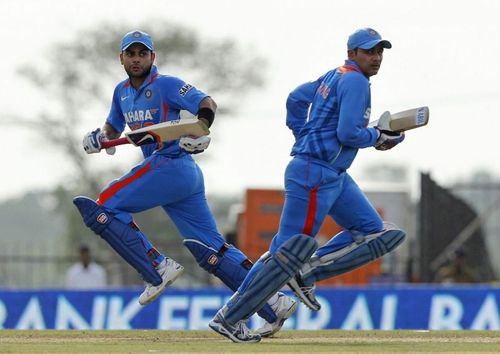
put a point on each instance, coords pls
(388, 139)
(194, 145)
(92, 142)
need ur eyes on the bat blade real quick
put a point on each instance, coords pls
(166, 131)
(407, 120)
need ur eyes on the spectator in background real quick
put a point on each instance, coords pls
(456, 270)
(86, 274)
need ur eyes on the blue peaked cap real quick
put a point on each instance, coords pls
(366, 38)
(137, 37)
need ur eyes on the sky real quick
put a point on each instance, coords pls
(444, 56)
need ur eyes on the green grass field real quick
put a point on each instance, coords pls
(137, 341)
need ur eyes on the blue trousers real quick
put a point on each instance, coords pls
(176, 185)
(313, 191)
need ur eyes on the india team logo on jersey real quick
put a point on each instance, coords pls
(148, 93)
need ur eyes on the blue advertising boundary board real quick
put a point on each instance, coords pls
(365, 308)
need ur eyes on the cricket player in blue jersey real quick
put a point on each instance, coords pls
(168, 177)
(329, 119)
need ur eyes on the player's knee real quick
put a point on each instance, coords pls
(103, 222)
(122, 237)
(387, 225)
(378, 224)
(205, 256)
(227, 263)
(293, 253)
(372, 226)
(94, 215)
(394, 234)
(299, 245)
(385, 241)
(265, 257)
(397, 235)
(211, 259)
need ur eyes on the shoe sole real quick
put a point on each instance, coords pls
(217, 327)
(162, 288)
(287, 315)
(292, 284)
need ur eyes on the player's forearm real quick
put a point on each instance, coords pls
(295, 123)
(351, 130)
(354, 113)
(300, 99)
(206, 111)
(357, 138)
(110, 132)
(297, 106)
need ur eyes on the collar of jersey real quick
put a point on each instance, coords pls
(349, 65)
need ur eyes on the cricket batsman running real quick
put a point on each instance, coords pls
(329, 119)
(167, 177)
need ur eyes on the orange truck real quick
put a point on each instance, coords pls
(259, 221)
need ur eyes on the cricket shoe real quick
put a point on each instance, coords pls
(284, 307)
(238, 333)
(303, 292)
(169, 271)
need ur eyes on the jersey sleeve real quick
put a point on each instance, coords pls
(115, 116)
(182, 95)
(298, 103)
(354, 98)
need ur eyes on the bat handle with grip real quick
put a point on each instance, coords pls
(114, 142)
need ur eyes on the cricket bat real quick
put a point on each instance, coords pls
(403, 121)
(157, 133)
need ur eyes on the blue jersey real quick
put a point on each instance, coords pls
(329, 116)
(159, 99)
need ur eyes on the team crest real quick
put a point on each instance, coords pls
(102, 218)
(213, 260)
(148, 93)
(136, 34)
(372, 32)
